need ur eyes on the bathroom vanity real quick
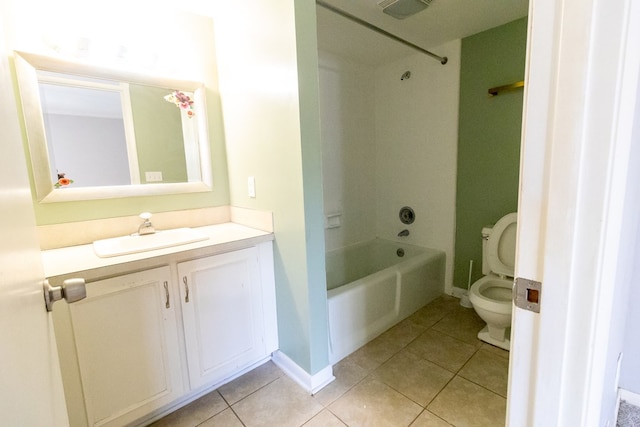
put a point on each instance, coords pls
(160, 328)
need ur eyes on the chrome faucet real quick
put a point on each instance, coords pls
(146, 227)
(403, 233)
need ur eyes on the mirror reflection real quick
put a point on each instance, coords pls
(93, 138)
(91, 129)
(85, 134)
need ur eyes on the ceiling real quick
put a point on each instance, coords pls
(442, 21)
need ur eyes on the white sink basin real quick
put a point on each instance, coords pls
(134, 243)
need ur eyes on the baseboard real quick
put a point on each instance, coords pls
(311, 383)
(458, 292)
(629, 396)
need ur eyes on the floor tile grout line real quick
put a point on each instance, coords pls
(223, 398)
(254, 391)
(416, 417)
(426, 410)
(480, 385)
(213, 416)
(206, 419)
(386, 338)
(372, 372)
(448, 382)
(437, 416)
(455, 337)
(455, 374)
(438, 393)
(447, 368)
(336, 415)
(417, 403)
(238, 416)
(472, 381)
(312, 416)
(369, 374)
(347, 390)
(431, 327)
(228, 407)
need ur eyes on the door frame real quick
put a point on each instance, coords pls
(577, 196)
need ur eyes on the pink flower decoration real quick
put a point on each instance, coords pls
(182, 101)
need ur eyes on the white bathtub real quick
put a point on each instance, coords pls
(371, 288)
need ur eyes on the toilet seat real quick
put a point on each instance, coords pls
(501, 246)
(478, 297)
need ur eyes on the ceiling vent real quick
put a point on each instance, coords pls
(401, 9)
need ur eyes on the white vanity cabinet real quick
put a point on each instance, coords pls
(122, 348)
(226, 326)
(156, 332)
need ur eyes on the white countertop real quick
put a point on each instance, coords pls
(222, 237)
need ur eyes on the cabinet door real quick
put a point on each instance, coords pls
(126, 340)
(222, 312)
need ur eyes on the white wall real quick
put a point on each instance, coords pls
(416, 149)
(389, 143)
(347, 109)
(92, 151)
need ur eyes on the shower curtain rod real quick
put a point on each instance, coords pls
(443, 59)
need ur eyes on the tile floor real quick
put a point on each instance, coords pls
(430, 370)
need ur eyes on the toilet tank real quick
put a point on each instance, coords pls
(486, 232)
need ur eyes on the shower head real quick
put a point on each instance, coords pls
(401, 9)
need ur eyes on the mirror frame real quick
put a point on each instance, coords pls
(27, 64)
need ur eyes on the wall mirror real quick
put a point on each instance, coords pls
(97, 133)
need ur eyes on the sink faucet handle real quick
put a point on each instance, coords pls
(146, 227)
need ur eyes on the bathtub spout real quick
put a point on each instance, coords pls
(403, 233)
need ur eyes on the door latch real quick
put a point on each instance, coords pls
(527, 294)
(71, 290)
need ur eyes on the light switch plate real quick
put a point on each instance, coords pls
(251, 185)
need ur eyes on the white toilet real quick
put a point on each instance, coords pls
(491, 296)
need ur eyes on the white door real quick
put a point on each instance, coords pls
(223, 314)
(30, 385)
(120, 346)
(576, 175)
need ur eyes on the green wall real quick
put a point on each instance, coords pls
(308, 86)
(489, 139)
(272, 128)
(158, 132)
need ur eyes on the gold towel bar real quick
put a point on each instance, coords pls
(495, 90)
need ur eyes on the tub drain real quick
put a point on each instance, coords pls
(400, 252)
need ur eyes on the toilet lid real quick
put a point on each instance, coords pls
(501, 246)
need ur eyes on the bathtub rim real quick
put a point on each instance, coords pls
(425, 254)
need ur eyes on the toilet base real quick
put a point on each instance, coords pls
(484, 335)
